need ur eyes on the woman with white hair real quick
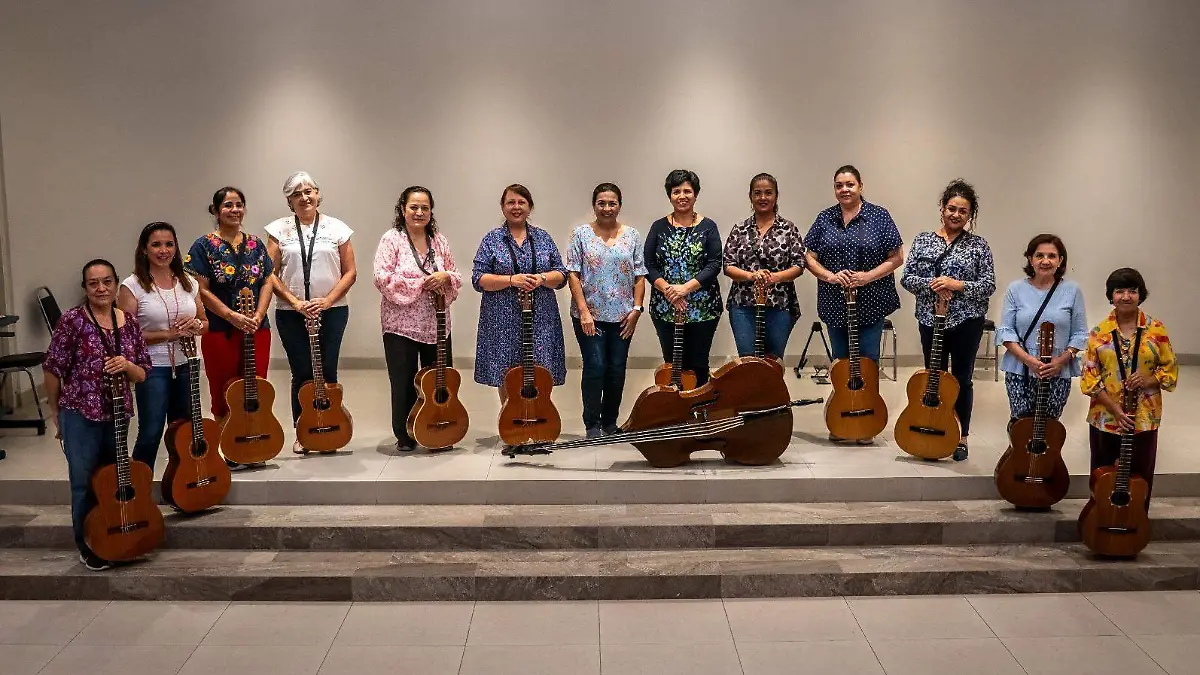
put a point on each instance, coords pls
(314, 269)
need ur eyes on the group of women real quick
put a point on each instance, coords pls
(308, 263)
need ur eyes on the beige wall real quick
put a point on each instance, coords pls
(1071, 116)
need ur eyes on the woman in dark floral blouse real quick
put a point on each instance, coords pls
(769, 247)
(955, 264)
(89, 341)
(683, 260)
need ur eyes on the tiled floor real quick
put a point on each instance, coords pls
(1093, 634)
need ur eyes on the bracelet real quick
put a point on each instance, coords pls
(510, 283)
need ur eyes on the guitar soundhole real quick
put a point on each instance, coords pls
(1120, 498)
(250, 406)
(529, 392)
(931, 401)
(1036, 447)
(199, 448)
(440, 396)
(125, 494)
(320, 404)
(855, 384)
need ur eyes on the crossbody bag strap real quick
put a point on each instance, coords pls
(1032, 324)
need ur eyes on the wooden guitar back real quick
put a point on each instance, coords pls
(438, 424)
(924, 431)
(855, 414)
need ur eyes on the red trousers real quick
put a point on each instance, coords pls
(223, 362)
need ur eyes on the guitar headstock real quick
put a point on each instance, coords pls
(188, 345)
(439, 302)
(851, 295)
(245, 302)
(526, 299)
(1046, 339)
(760, 290)
(313, 324)
(680, 315)
(941, 306)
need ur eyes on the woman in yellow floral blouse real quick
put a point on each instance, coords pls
(1127, 330)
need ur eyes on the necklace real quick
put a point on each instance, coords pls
(170, 319)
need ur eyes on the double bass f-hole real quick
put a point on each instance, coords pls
(700, 409)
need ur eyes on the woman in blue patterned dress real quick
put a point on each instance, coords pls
(683, 259)
(955, 264)
(517, 255)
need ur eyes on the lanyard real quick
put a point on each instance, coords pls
(1133, 357)
(512, 252)
(306, 258)
(429, 261)
(937, 263)
(100, 330)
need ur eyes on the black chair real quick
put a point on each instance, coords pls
(49, 306)
(25, 362)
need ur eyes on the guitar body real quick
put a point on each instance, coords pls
(250, 436)
(528, 419)
(437, 422)
(662, 376)
(855, 413)
(323, 425)
(125, 523)
(929, 432)
(1118, 530)
(196, 477)
(1033, 475)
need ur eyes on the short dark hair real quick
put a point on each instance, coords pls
(93, 263)
(1126, 277)
(1046, 239)
(961, 188)
(398, 223)
(848, 168)
(679, 177)
(517, 188)
(606, 187)
(220, 195)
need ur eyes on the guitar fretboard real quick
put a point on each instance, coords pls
(677, 353)
(760, 331)
(314, 348)
(935, 357)
(194, 398)
(527, 345)
(440, 373)
(249, 369)
(116, 388)
(852, 332)
(1125, 460)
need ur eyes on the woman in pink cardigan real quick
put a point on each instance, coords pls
(413, 262)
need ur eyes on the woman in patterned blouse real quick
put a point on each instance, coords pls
(683, 260)
(1129, 352)
(769, 247)
(606, 274)
(90, 341)
(517, 255)
(413, 262)
(953, 264)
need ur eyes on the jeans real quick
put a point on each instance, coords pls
(87, 445)
(960, 345)
(604, 357)
(697, 343)
(161, 400)
(402, 356)
(294, 335)
(869, 338)
(779, 323)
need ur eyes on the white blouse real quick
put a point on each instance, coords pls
(326, 268)
(159, 308)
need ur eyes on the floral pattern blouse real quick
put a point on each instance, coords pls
(678, 255)
(607, 273)
(405, 309)
(229, 270)
(968, 259)
(76, 357)
(781, 248)
(1100, 371)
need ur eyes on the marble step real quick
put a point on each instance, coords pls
(589, 575)
(611, 527)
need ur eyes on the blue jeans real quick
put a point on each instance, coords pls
(160, 399)
(869, 338)
(87, 445)
(604, 357)
(294, 335)
(779, 324)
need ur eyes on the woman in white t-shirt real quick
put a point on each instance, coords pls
(314, 269)
(163, 297)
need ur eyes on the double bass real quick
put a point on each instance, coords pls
(855, 411)
(1115, 521)
(929, 427)
(526, 412)
(672, 374)
(439, 419)
(196, 477)
(250, 434)
(324, 424)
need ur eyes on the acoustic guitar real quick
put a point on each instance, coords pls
(125, 523)
(439, 419)
(672, 374)
(1115, 521)
(929, 427)
(196, 477)
(855, 410)
(760, 326)
(250, 433)
(526, 412)
(1031, 474)
(324, 424)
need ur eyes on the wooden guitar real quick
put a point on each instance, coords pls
(1115, 521)
(439, 419)
(672, 374)
(196, 477)
(929, 427)
(250, 433)
(526, 412)
(760, 326)
(1031, 474)
(125, 523)
(324, 424)
(855, 410)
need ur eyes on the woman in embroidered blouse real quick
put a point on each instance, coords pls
(412, 263)
(512, 256)
(89, 341)
(318, 292)
(164, 299)
(954, 264)
(1148, 371)
(683, 259)
(224, 262)
(769, 247)
(606, 275)
(1017, 330)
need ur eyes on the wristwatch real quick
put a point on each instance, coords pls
(639, 309)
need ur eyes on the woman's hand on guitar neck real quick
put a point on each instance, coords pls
(246, 324)
(438, 281)
(845, 278)
(526, 282)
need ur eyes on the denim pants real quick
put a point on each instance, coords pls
(604, 357)
(294, 335)
(779, 323)
(87, 445)
(161, 400)
(869, 338)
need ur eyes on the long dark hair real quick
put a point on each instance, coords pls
(431, 228)
(141, 262)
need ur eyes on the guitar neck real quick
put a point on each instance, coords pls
(314, 349)
(935, 355)
(677, 355)
(527, 347)
(440, 373)
(194, 399)
(117, 384)
(852, 335)
(1041, 404)
(249, 368)
(1125, 459)
(760, 330)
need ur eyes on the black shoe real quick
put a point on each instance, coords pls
(611, 429)
(960, 453)
(594, 432)
(94, 562)
(234, 466)
(406, 445)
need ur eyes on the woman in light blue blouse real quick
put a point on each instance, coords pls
(954, 264)
(1046, 263)
(607, 274)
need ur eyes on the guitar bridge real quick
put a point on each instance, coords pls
(325, 429)
(928, 431)
(1114, 529)
(253, 438)
(126, 528)
(201, 483)
(1033, 480)
(528, 421)
(859, 413)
